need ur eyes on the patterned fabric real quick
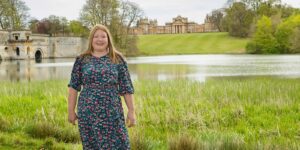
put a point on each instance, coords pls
(100, 113)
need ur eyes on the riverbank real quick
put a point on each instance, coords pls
(250, 113)
(193, 43)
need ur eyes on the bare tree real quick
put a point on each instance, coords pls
(130, 13)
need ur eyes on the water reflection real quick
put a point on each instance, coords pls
(26, 70)
(12, 70)
(194, 67)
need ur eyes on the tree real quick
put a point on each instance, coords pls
(287, 11)
(77, 28)
(256, 4)
(263, 40)
(4, 14)
(238, 20)
(285, 39)
(64, 23)
(229, 3)
(98, 12)
(266, 9)
(43, 26)
(103, 12)
(55, 25)
(252, 4)
(130, 12)
(118, 16)
(13, 14)
(216, 18)
(286, 34)
(33, 25)
(295, 41)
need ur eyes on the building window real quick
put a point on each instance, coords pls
(6, 48)
(27, 37)
(18, 51)
(16, 36)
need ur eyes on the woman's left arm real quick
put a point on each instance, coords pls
(129, 100)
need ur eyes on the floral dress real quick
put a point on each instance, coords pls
(100, 113)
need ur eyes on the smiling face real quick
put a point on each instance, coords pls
(100, 41)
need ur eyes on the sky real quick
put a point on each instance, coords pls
(162, 10)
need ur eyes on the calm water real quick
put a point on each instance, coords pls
(194, 67)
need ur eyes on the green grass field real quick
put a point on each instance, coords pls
(195, 43)
(256, 113)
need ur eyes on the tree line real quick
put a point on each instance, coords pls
(272, 27)
(119, 16)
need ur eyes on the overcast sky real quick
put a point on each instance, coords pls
(162, 10)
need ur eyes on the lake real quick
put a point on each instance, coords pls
(193, 67)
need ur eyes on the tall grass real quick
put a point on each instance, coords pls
(35, 112)
(256, 113)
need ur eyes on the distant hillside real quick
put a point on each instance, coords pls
(194, 43)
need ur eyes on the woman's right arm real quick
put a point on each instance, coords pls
(72, 99)
(74, 87)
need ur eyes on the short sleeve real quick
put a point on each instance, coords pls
(125, 83)
(76, 75)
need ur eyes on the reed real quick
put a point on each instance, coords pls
(254, 113)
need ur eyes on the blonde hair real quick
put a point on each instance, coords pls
(113, 54)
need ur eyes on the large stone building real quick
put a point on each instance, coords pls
(177, 26)
(25, 45)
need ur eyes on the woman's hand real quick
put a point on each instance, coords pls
(72, 98)
(72, 117)
(130, 120)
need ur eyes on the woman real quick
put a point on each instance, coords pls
(104, 76)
